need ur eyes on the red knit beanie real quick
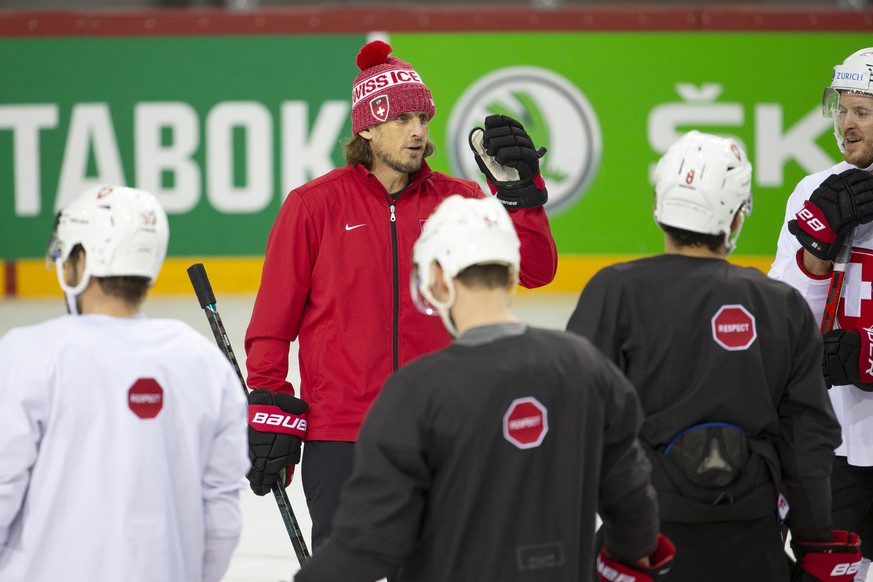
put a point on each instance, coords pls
(385, 88)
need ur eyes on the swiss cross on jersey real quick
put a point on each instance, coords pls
(855, 309)
(379, 107)
(526, 422)
(733, 327)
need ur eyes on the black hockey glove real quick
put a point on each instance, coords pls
(611, 569)
(277, 427)
(835, 561)
(506, 155)
(848, 358)
(842, 202)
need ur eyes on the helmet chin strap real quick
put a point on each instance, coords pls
(730, 238)
(838, 134)
(72, 293)
(444, 307)
(447, 318)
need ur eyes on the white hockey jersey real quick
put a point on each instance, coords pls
(123, 448)
(853, 407)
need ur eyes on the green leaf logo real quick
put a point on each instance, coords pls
(554, 112)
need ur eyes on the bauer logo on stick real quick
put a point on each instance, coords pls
(526, 423)
(145, 398)
(733, 327)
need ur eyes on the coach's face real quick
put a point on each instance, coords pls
(399, 143)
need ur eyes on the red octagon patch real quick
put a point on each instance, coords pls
(526, 423)
(733, 327)
(145, 398)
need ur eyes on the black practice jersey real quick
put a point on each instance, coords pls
(488, 461)
(706, 341)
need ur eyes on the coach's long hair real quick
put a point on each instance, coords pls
(357, 151)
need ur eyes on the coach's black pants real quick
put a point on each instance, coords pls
(325, 467)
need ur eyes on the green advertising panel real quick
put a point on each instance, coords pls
(220, 128)
(622, 99)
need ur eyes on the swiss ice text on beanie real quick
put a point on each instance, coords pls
(386, 87)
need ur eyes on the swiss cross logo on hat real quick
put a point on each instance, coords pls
(379, 107)
(733, 327)
(145, 398)
(526, 423)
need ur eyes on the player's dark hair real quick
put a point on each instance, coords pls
(485, 276)
(357, 150)
(687, 238)
(131, 290)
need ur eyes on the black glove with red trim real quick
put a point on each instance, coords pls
(610, 569)
(277, 427)
(506, 155)
(835, 561)
(842, 202)
(848, 358)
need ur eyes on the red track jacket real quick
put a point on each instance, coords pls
(336, 276)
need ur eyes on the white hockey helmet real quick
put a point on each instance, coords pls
(460, 233)
(701, 183)
(124, 232)
(854, 76)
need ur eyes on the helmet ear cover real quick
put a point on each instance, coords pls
(460, 233)
(701, 183)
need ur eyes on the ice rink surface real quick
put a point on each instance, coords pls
(264, 553)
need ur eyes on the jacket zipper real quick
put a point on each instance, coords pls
(395, 336)
(392, 207)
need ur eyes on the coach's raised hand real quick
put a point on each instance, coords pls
(506, 155)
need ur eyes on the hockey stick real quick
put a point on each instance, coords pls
(203, 289)
(829, 317)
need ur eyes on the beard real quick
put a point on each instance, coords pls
(861, 157)
(398, 162)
